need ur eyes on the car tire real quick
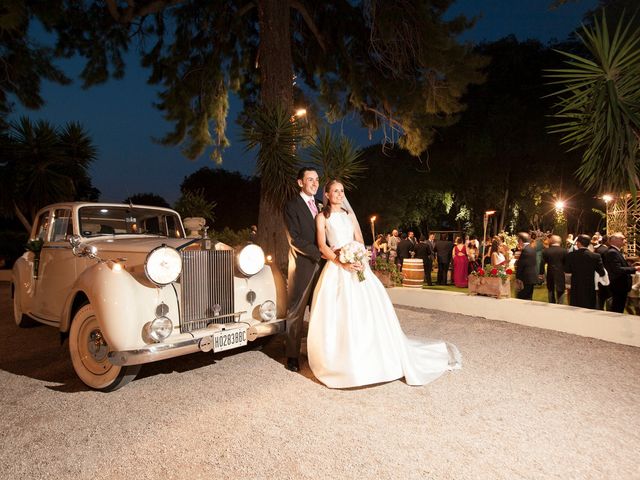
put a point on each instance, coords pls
(89, 354)
(22, 320)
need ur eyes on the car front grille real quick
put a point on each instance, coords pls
(207, 288)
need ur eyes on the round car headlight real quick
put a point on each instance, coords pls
(250, 259)
(268, 311)
(160, 328)
(163, 265)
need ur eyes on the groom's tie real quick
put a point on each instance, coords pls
(312, 207)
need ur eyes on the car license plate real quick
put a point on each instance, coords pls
(228, 339)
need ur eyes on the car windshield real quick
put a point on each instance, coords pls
(109, 220)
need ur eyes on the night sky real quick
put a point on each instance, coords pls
(122, 122)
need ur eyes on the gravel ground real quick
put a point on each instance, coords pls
(528, 404)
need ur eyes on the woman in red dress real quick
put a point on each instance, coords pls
(460, 264)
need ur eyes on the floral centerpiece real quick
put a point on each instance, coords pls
(387, 272)
(491, 281)
(497, 272)
(354, 253)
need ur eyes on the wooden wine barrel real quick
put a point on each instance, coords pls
(412, 272)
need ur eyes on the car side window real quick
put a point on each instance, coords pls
(42, 227)
(62, 228)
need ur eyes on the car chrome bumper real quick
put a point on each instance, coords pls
(162, 351)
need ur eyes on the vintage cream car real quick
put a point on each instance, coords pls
(127, 288)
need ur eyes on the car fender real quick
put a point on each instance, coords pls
(22, 281)
(123, 303)
(261, 285)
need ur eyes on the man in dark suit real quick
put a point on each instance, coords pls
(526, 267)
(553, 257)
(412, 238)
(582, 264)
(603, 290)
(424, 252)
(405, 247)
(444, 248)
(619, 272)
(432, 243)
(304, 259)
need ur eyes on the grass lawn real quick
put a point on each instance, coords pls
(539, 292)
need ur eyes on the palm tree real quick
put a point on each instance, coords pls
(43, 165)
(598, 105)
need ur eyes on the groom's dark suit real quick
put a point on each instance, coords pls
(304, 268)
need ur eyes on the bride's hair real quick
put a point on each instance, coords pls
(327, 210)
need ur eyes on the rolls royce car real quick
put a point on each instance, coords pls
(126, 287)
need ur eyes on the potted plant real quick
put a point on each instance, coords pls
(387, 272)
(492, 281)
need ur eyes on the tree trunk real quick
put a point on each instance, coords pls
(22, 218)
(276, 88)
(503, 213)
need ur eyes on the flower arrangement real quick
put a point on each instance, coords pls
(383, 266)
(500, 271)
(354, 252)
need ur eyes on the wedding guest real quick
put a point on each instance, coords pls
(583, 265)
(526, 271)
(432, 244)
(536, 242)
(443, 253)
(460, 264)
(412, 238)
(553, 257)
(404, 249)
(496, 255)
(604, 292)
(619, 272)
(392, 245)
(423, 251)
(473, 254)
(380, 245)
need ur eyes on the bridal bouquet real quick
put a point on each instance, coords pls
(354, 252)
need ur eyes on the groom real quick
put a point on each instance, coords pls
(304, 259)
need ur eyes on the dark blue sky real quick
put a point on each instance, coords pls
(122, 121)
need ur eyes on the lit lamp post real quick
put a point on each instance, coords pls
(607, 199)
(559, 206)
(300, 112)
(373, 229)
(487, 214)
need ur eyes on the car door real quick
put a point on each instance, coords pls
(57, 270)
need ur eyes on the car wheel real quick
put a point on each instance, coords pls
(89, 354)
(22, 320)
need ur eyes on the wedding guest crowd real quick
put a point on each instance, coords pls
(588, 271)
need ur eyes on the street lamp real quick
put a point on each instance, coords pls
(559, 206)
(373, 229)
(487, 214)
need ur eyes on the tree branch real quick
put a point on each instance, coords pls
(125, 16)
(309, 21)
(247, 7)
(392, 122)
(22, 218)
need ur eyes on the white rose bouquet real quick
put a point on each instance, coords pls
(354, 252)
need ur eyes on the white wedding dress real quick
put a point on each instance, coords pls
(354, 335)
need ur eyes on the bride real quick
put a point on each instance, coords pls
(354, 335)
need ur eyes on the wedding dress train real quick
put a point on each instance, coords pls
(354, 335)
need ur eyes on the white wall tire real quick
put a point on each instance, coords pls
(89, 350)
